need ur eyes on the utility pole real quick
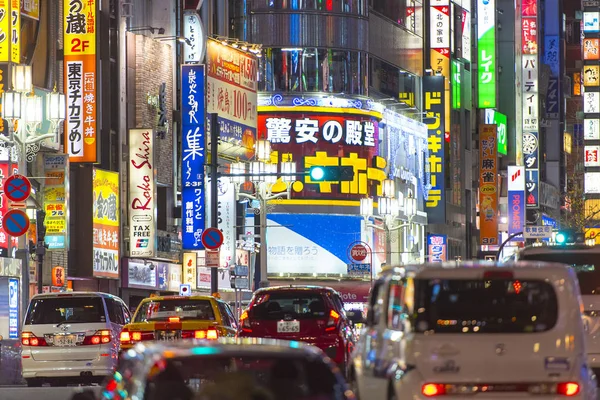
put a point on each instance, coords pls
(214, 188)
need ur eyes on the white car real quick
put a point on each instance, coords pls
(71, 337)
(474, 331)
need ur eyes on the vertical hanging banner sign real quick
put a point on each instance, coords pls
(10, 31)
(106, 223)
(142, 193)
(516, 201)
(193, 155)
(80, 80)
(486, 47)
(488, 185)
(435, 171)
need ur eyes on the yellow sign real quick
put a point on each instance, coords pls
(55, 225)
(15, 31)
(106, 197)
(189, 269)
(55, 194)
(568, 143)
(31, 9)
(80, 27)
(106, 223)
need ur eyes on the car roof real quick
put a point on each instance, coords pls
(307, 288)
(545, 249)
(478, 268)
(74, 294)
(176, 297)
(227, 346)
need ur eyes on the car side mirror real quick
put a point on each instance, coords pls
(86, 394)
(355, 316)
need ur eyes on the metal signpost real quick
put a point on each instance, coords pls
(357, 254)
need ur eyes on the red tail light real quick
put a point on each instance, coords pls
(132, 337)
(245, 322)
(212, 334)
(567, 388)
(174, 319)
(197, 334)
(100, 337)
(497, 275)
(29, 339)
(334, 318)
(433, 389)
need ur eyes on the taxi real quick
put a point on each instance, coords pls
(170, 318)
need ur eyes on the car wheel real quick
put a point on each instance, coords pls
(33, 382)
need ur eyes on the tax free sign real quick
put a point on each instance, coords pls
(486, 48)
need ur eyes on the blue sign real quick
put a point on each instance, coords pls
(193, 155)
(15, 222)
(13, 308)
(241, 270)
(516, 213)
(359, 270)
(547, 221)
(162, 271)
(437, 248)
(55, 242)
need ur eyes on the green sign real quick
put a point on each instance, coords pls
(456, 71)
(493, 117)
(486, 49)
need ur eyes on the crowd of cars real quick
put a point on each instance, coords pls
(520, 329)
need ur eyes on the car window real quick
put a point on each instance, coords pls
(74, 310)
(126, 313)
(161, 310)
(115, 313)
(297, 304)
(231, 316)
(396, 308)
(478, 306)
(223, 312)
(376, 303)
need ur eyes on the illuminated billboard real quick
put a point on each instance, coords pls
(486, 48)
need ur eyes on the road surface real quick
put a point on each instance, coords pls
(41, 393)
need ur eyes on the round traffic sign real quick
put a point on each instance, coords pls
(358, 252)
(212, 238)
(15, 222)
(17, 188)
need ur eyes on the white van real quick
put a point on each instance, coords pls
(475, 329)
(71, 337)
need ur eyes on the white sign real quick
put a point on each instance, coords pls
(516, 178)
(591, 182)
(174, 277)
(466, 34)
(439, 25)
(204, 278)
(193, 30)
(140, 274)
(591, 129)
(591, 156)
(591, 102)
(142, 198)
(189, 269)
(530, 93)
(185, 290)
(226, 217)
(537, 232)
(591, 21)
(212, 258)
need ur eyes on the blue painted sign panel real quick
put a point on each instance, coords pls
(13, 308)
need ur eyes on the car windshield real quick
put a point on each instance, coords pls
(484, 306)
(296, 304)
(212, 377)
(585, 264)
(161, 310)
(77, 309)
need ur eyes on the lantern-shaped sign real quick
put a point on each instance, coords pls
(58, 276)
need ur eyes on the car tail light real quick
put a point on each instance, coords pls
(197, 334)
(567, 388)
(29, 339)
(100, 337)
(174, 319)
(131, 337)
(334, 318)
(245, 322)
(497, 275)
(212, 334)
(433, 389)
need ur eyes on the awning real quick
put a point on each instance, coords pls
(351, 291)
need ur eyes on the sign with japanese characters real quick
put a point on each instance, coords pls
(437, 248)
(466, 34)
(189, 269)
(457, 68)
(193, 156)
(590, 48)
(537, 232)
(591, 75)
(530, 93)
(193, 31)
(531, 153)
(591, 156)
(80, 80)
(439, 49)
(486, 47)
(591, 129)
(139, 274)
(310, 139)
(591, 102)
(591, 21)
(516, 201)
(142, 193)
(5, 172)
(435, 166)
(56, 169)
(106, 223)
(493, 117)
(226, 217)
(10, 31)
(30, 9)
(529, 35)
(591, 182)
(488, 185)
(231, 85)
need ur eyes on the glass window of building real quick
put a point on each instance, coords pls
(392, 9)
(335, 6)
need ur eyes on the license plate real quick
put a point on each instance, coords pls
(168, 335)
(65, 340)
(288, 326)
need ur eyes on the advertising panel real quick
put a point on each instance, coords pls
(80, 79)
(142, 194)
(488, 185)
(226, 223)
(439, 49)
(437, 248)
(516, 201)
(193, 151)
(56, 173)
(590, 48)
(529, 38)
(193, 30)
(10, 31)
(456, 88)
(591, 156)
(591, 73)
(30, 9)
(591, 102)
(493, 117)
(189, 269)
(466, 35)
(591, 182)
(531, 155)
(310, 139)
(486, 47)
(591, 21)
(140, 275)
(106, 223)
(13, 308)
(591, 129)
(435, 202)
(553, 93)
(174, 277)
(203, 280)
(231, 87)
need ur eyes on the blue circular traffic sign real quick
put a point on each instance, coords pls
(15, 222)
(17, 188)
(212, 238)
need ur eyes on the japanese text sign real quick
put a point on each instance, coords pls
(591, 156)
(142, 196)
(591, 75)
(590, 48)
(58, 276)
(435, 169)
(10, 31)
(106, 223)
(437, 248)
(189, 269)
(486, 46)
(80, 80)
(193, 31)
(530, 93)
(493, 117)
(531, 156)
(30, 9)
(488, 185)
(591, 129)
(516, 200)
(193, 155)
(56, 170)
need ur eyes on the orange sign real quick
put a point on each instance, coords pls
(488, 185)
(58, 276)
(80, 80)
(590, 49)
(577, 84)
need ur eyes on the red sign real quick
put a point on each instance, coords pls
(4, 173)
(212, 238)
(358, 252)
(58, 276)
(529, 35)
(310, 139)
(17, 188)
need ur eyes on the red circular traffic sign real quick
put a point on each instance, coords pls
(212, 238)
(15, 222)
(358, 252)
(17, 188)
